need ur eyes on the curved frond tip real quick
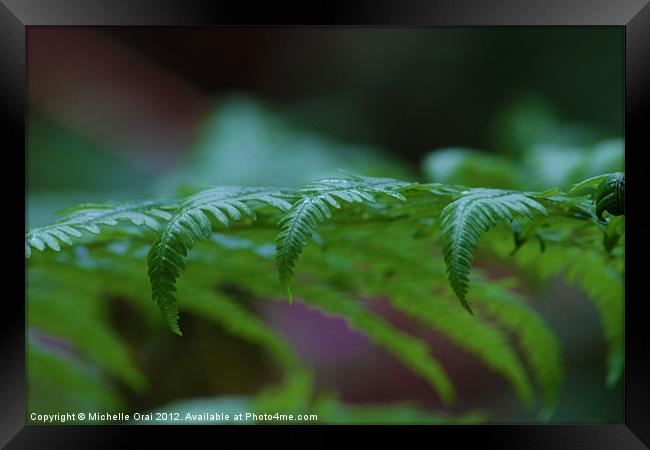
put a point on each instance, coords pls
(192, 222)
(313, 206)
(463, 221)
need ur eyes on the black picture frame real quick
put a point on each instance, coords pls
(633, 15)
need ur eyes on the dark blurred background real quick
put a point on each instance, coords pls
(407, 90)
(133, 112)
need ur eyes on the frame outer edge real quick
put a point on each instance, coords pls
(637, 112)
(12, 120)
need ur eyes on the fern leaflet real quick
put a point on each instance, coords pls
(190, 223)
(538, 342)
(463, 221)
(412, 352)
(75, 381)
(477, 337)
(89, 217)
(313, 206)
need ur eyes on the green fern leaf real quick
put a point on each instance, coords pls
(89, 333)
(239, 322)
(610, 196)
(412, 352)
(89, 218)
(463, 221)
(292, 393)
(597, 274)
(190, 223)
(538, 342)
(475, 336)
(75, 381)
(604, 285)
(589, 183)
(300, 222)
(371, 251)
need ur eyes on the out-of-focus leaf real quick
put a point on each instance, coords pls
(530, 121)
(59, 158)
(471, 167)
(58, 381)
(243, 143)
(200, 411)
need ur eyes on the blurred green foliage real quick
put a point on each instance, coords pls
(537, 150)
(84, 163)
(242, 142)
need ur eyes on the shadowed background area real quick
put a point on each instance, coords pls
(118, 112)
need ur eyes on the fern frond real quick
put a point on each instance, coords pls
(412, 352)
(66, 300)
(539, 344)
(292, 394)
(589, 183)
(410, 291)
(74, 381)
(190, 223)
(610, 196)
(599, 276)
(604, 285)
(463, 221)
(239, 322)
(371, 250)
(88, 333)
(89, 218)
(475, 336)
(313, 206)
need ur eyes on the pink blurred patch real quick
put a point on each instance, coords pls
(362, 372)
